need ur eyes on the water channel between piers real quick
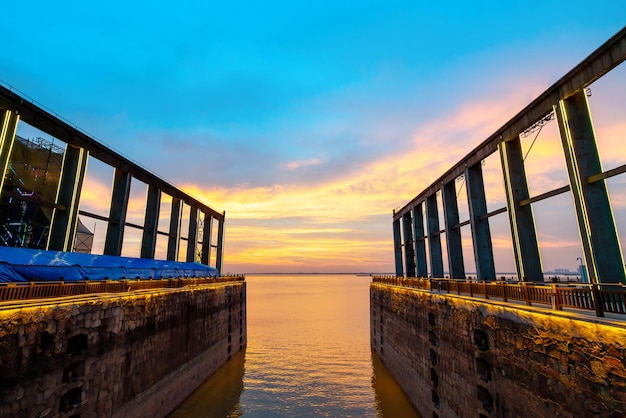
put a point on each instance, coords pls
(308, 354)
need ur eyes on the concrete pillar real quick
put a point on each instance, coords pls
(65, 215)
(420, 243)
(397, 248)
(192, 235)
(173, 242)
(117, 212)
(8, 126)
(521, 220)
(596, 223)
(151, 222)
(481, 234)
(434, 239)
(219, 256)
(205, 253)
(453, 231)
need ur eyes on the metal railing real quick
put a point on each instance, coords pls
(38, 290)
(600, 298)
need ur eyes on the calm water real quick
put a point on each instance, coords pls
(308, 355)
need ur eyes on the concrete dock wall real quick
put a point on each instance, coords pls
(456, 356)
(122, 355)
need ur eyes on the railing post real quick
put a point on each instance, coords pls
(485, 288)
(556, 302)
(526, 295)
(597, 299)
(471, 291)
(504, 287)
(31, 287)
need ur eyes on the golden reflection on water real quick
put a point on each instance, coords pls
(219, 395)
(308, 354)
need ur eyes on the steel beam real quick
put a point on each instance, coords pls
(608, 56)
(65, 215)
(521, 220)
(41, 119)
(397, 248)
(205, 254)
(420, 244)
(117, 212)
(151, 222)
(173, 241)
(409, 252)
(63, 230)
(192, 235)
(8, 126)
(434, 238)
(219, 256)
(481, 234)
(453, 231)
(596, 224)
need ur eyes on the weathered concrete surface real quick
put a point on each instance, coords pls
(457, 356)
(128, 355)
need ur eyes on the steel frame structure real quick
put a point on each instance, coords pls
(15, 108)
(567, 101)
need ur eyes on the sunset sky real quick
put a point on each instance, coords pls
(308, 122)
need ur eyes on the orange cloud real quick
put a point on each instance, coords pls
(344, 224)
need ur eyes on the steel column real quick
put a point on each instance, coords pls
(8, 126)
(205, 255)
(192, 235)
(434, 239)
(521, 220)
(173, 242)
(220, 245)
(481, 234)
(117, 212)
(65, 215)
(453, 231)
(151, 222)
(420, 244)
(397, 248)
(409, 252)
(596, 223)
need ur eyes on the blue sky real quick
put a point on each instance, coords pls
(278, 101)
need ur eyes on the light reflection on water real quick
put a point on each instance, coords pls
(308, 355)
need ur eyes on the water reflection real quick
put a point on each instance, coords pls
(219, 395)
(308, 354)
(390, 400)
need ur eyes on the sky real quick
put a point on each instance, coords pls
(308, 122)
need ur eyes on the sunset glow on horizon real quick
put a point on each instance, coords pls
(308, 124)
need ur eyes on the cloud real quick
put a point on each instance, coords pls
(294, 165)
(344, 222)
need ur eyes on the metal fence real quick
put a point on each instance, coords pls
(38, 290)
(600, 298)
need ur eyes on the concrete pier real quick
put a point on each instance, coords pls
(463, 357)
(117, 355)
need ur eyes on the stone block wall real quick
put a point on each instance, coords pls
(461, 357)
(132, 354)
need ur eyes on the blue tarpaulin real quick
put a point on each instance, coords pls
(25, 264)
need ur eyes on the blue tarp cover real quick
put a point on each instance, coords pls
(25, 264)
